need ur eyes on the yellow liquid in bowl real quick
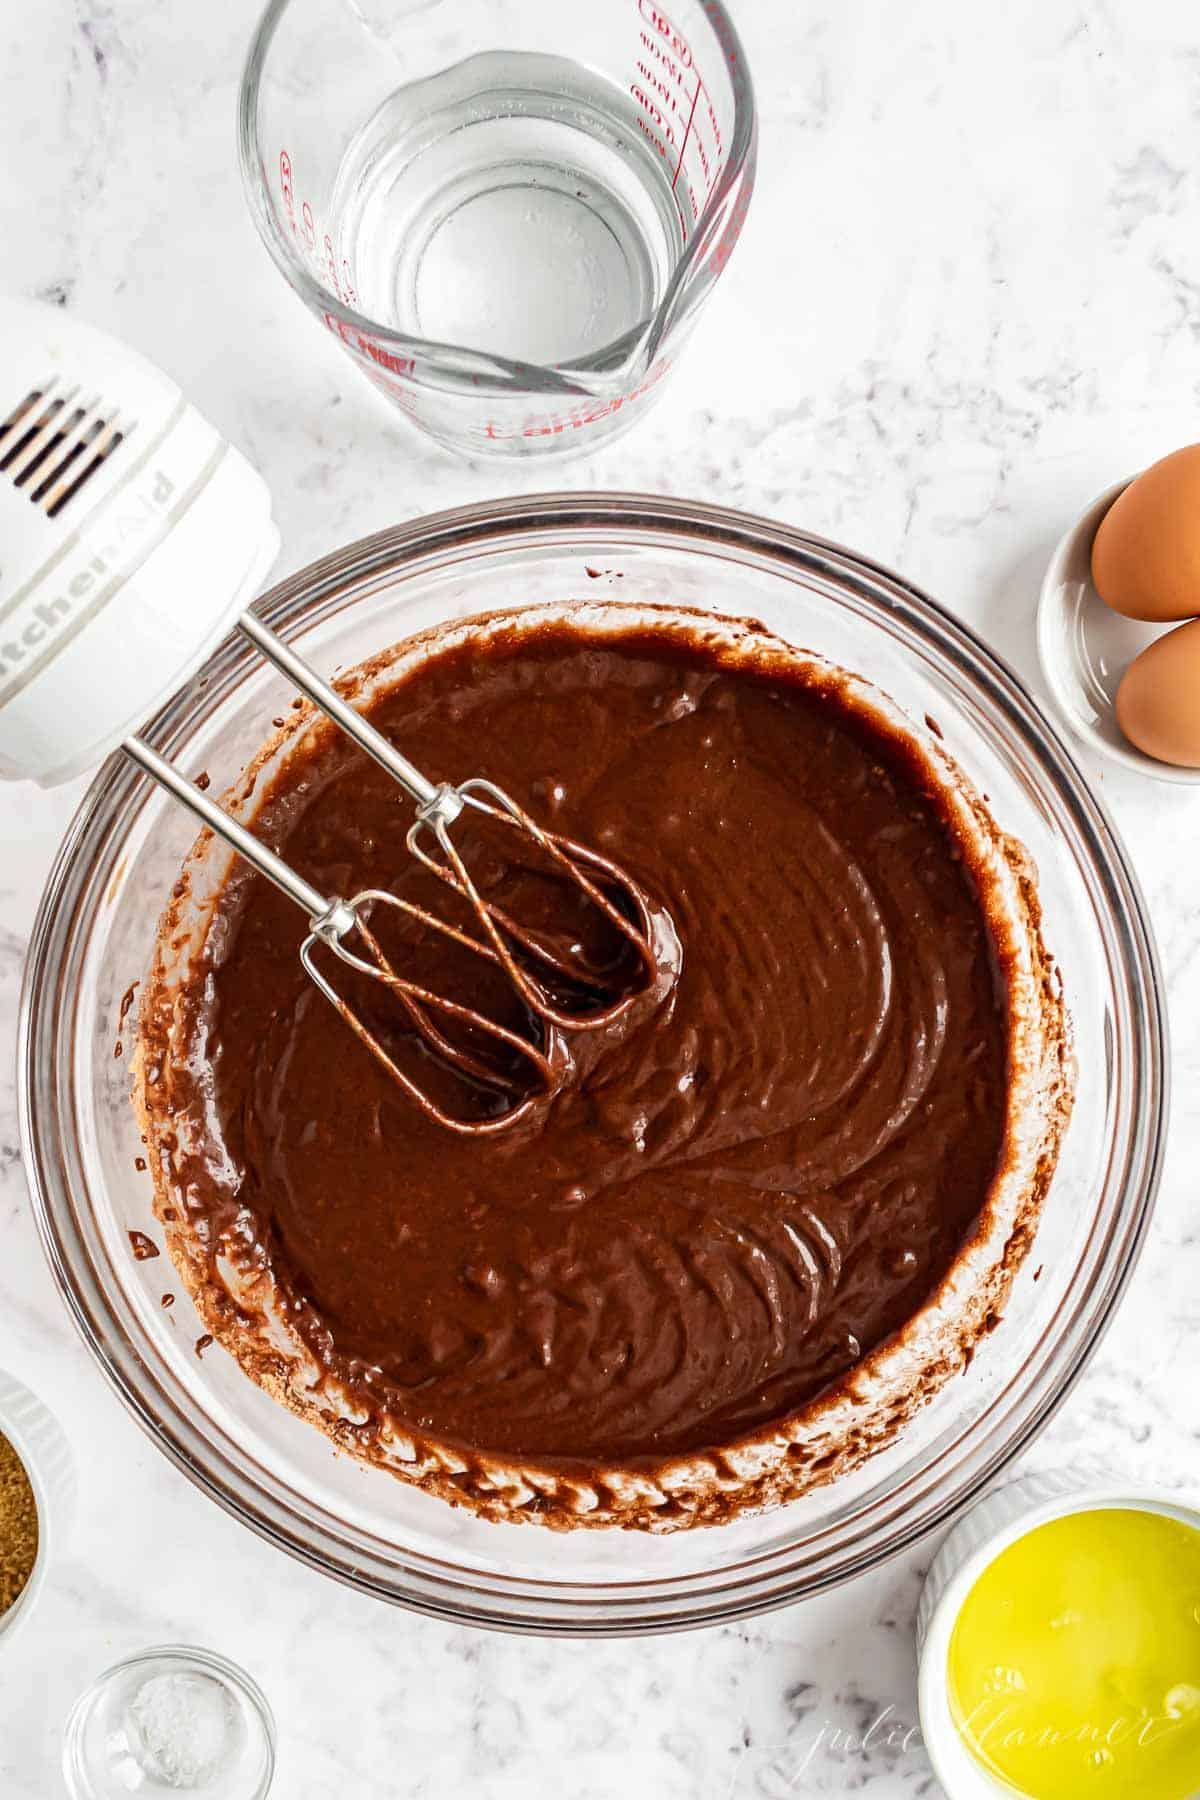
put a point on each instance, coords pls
(1074, 1666)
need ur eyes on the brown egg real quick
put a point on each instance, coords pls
(1158, 701)
(1146, 554)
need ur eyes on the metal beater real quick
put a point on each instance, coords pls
(505, 942)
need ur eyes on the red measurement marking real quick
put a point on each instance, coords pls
(713, 125)
(647, 105)
(375, 352)
(674, 67)
(660, 23)
(688, 130)
(731, 231)
(655, 49)
(286, 188)
(657, 83)
(331, 265)
(648, 131)
(556, 424)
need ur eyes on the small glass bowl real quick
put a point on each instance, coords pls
(112, 1747)
(93, 938)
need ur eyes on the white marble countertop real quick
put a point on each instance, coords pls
(967, 299)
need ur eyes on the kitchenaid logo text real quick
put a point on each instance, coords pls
(29, 626)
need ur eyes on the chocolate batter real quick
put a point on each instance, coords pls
(732, 1199)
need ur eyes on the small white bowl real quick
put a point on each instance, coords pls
(976, 1541)
(38, 1440)
(1085, 648)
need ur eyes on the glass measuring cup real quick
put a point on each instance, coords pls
(507, 211)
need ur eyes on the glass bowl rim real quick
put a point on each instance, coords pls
(714, 1594)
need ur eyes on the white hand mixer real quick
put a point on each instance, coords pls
(133, 538)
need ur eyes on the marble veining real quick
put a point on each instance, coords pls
(967, 299)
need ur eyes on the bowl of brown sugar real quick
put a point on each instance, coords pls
(36, 1495)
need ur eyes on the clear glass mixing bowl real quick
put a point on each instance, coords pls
(93, 937)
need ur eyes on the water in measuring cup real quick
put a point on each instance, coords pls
(510, 204)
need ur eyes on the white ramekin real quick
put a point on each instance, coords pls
(39, 1441)
(999, 1520)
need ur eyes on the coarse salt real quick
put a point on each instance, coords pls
(187, 1727)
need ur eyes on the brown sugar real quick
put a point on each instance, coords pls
(18, 1526)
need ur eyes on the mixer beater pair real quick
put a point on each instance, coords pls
(527, 959)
